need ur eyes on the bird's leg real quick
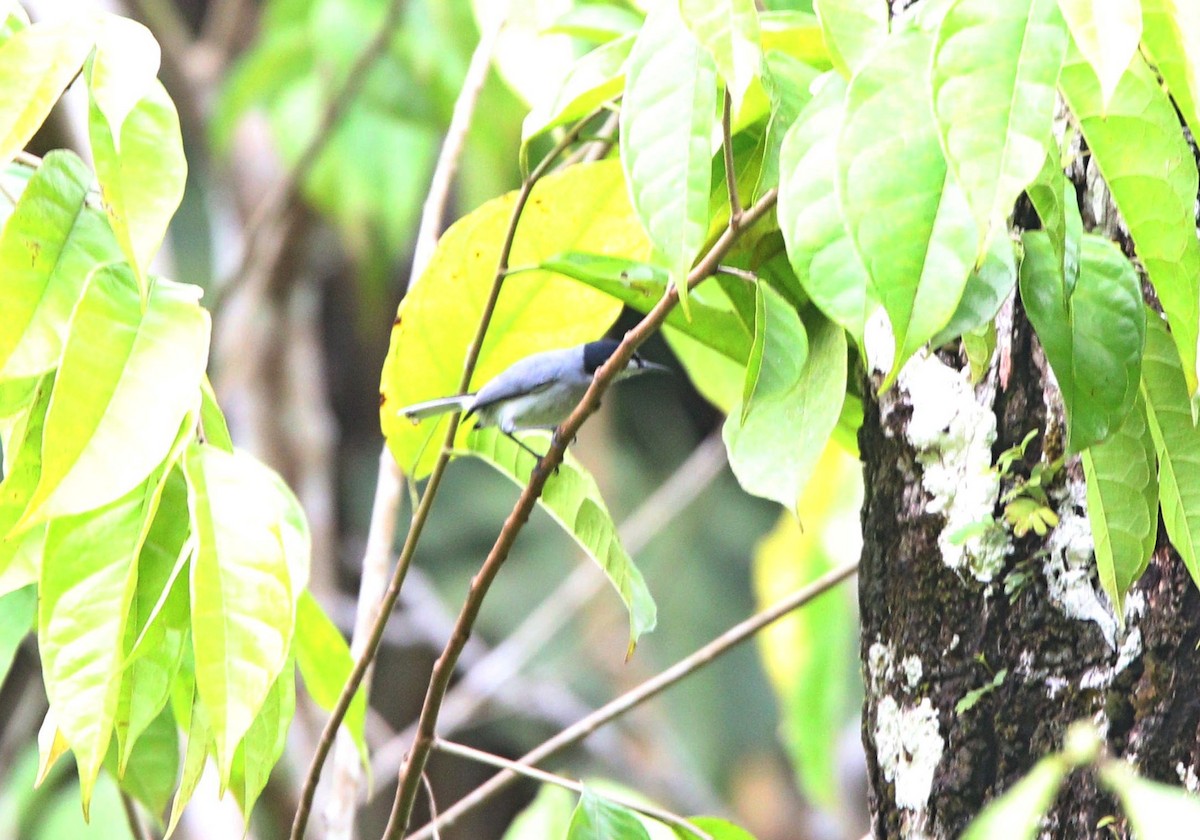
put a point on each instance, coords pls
(522, 444)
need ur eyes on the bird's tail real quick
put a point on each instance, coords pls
(430, 408)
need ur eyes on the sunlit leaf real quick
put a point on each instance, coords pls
(995, 67)
(157, 622)
(594, 79)
(49, 245)
(584, 208)
(199, 737)
(1122, 497)
(36, 65)
(597, 818)
(1149, 169)
(19, 484)
(796, 33)
(212, 419)
(910, 224)
(987, 288)
(1176, 441)
(141, 173)
(852, 28)
(548, 815)
(263, 744)
(818, 244)
(87, 583)
(1017, 813)
(150, 772)
(1107, 35)
(123, 68)
(128, 376)
(667, 118)
(728, 30)
(243, 594)
(788, 82)
(573, 500)
(597, 22)
(775, 442)
(641, 286)
(323, 658)
(1171, 32)
(1093, 338)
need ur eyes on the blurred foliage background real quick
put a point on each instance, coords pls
(768, 735)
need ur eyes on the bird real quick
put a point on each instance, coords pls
(537, 392)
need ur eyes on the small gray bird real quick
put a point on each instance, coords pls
(537, 392)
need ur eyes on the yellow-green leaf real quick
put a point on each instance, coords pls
(852, 29)
(1107, 34)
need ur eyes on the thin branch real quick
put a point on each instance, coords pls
(740, 273)
(432, 800)
(472, 754)
(443, 669)
(647, 690)
(421, 516)
(499, 666)
(735, 203)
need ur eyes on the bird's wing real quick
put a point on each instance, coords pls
(522, 378)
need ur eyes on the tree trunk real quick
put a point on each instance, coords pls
(939, 623)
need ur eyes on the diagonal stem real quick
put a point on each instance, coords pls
(421, 516)
(443, 668)
(647, 690)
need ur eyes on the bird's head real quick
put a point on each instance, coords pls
(596, 353)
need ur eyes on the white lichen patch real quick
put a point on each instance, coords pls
(1187, 777)
(1069, 568)
(908, 745)
(911, 666)
(881, 664)
(953, 436)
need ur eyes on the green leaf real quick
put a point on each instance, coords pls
(325, 664)
(20, 482)
(596, 818)
(573, 500)
(980, 345)
(263, 745)
(776, 322)
(788, 82)
(583, 208)
(667, 119)
(548, 815)
(141, 171)
(599, 22)
(199, 736)
(1107, 35)
(157, 621)
(36, 65)
(641, 286)
(17, 612)
(1122, 500)
(1176, 441)
(1171, 32)
(87, 583)
(728, 30)
(595, 78)
(716, 828)
(995, 67)
(818, 245)
(212, 419)
(796, 33)
(1149, 169)
(243, 588)
(718, 378)
(1053, 197)
(987, 288)
(151, 770)
(123, 68)
(794, 409)
(128, 376)
(49, 245)
(910, 224)
(1155, 810)
(852, 29)
(1093, 338)
(1017, 813)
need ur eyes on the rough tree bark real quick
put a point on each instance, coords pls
(938, 623)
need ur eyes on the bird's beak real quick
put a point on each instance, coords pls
(644, 366)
